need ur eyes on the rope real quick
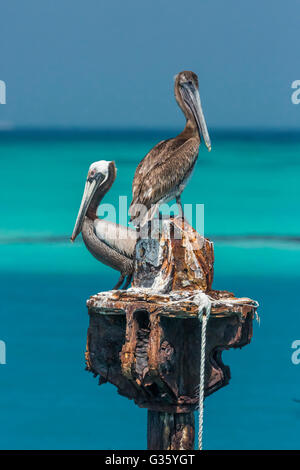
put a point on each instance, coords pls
(203, 317)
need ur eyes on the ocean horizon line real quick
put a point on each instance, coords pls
(97, 133)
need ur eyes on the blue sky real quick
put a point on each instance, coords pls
(111, 63)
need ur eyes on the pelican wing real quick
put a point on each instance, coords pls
(160, 152)
(166, 174)
(121, 239)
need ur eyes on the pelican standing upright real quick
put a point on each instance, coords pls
(164, 172)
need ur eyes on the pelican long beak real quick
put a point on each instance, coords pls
(90, 188)
(192, 98)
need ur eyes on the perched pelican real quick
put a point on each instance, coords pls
(110, 243)
(163, 173)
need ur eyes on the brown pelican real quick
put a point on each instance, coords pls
(110, 243)
(163, 173)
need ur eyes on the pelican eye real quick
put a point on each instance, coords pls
(91, 175)
(187, 83)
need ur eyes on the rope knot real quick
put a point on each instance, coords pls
(204, 305)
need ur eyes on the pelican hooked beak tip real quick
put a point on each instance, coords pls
(74, 235)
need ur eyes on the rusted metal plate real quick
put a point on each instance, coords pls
(174, 304)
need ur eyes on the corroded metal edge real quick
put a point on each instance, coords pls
(176, 304)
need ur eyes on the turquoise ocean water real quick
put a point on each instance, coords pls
(249, 185)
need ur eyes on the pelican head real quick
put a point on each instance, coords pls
(99, 179)
(188, 98)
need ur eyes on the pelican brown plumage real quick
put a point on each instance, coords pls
(163, 173)
(110, 243)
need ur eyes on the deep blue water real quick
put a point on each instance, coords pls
(48, 400)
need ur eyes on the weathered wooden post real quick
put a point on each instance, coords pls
(147, 340)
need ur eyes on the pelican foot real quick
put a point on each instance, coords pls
(119, 283)
(180, 208)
